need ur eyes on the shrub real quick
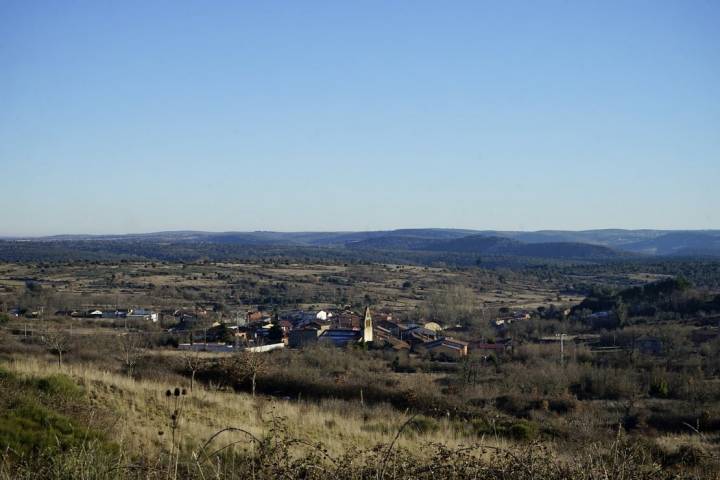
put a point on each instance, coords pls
(659, 388)
(6, 374)
(605, 383)
(523, 430)
(562, 404)
(58, 385)
(690, 455)
(424, 424)
(481, 427)
(513, 404)
(29, 426)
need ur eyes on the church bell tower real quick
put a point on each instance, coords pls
(367, 327)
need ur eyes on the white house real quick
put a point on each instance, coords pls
(142, 314)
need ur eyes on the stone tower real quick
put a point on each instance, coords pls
(367, 327)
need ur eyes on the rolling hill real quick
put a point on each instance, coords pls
(679, 244)
(425, 245)
(490, 245)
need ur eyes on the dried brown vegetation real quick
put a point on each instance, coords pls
(96, 401)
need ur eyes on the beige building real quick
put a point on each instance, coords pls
(445, 347)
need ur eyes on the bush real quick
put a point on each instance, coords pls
(58, 385)
(659, 388)
(605, 383)
(6, 374)
(424, 424)
(481, 427)
(687, 455)
(523, 430)
(29, 426)
(562, 404)
(32, 419)
(513, 405)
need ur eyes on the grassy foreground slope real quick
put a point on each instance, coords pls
(82, 422)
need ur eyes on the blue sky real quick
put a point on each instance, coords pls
(139, 116)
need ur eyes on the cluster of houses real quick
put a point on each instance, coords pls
(129, 314)
(511, 317)
(202, 328)
(298, 329)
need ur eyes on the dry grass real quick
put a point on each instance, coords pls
(342, 429)
(141, 411)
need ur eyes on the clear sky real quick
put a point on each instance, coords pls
(137, 116)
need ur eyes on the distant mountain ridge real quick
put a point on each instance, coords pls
(491, 245)
(563, 244)
(679, 243)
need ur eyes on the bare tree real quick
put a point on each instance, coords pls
(453, 304)
(247, 364)
(193, 362)
(131, 346)
(58, 342)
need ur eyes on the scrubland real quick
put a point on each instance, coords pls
(82, 421)
(606, 409)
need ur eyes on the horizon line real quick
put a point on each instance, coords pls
(341, 231)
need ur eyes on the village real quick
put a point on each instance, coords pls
(494, 327)
(261, 331)
(468, 353)
(200, 328)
